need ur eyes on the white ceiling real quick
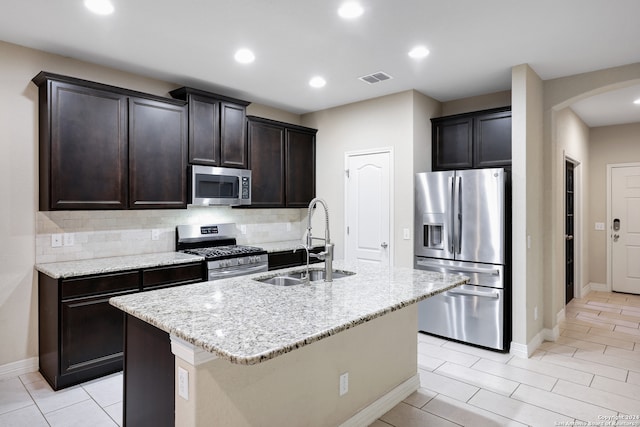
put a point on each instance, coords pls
(473, 45)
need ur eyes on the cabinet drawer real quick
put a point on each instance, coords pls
(99, 285)
(173, 275)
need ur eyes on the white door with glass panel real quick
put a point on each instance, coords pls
(625, 229)
(368, 208)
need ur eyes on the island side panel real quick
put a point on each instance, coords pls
(148, 376)
(302, 387)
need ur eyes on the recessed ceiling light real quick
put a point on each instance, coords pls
(244, 56)
(419, 52)
(350, 10)
(317, 82)
(637, 101)
(99, 7)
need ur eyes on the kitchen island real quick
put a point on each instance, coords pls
(250, 353)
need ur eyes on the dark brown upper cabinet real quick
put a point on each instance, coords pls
(157, 154)
(472, 140)
(83, 147)
(283, 163)
(104, 147)
(216, 128)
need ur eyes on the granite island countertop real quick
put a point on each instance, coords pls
(248, 322)
(66, 269)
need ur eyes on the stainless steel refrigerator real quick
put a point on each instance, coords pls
(461, 224)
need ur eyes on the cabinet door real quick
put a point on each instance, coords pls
(266, 152)
(204, 131)
(452, 144)
(91, 334)
(492, 143)
(85, 166)
(300, 169)
(233, 141)
(157, 154)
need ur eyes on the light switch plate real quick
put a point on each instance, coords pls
(183, 383)
(68, 239)
(406, 234)
(600, 226)
(56, 240)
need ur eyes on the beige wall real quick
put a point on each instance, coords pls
(573, 143)
(559, 94)
(477, 103)
(528, 204)
(386, 122)
(607, 145)
(19, 191)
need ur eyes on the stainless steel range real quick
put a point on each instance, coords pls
(217, 244)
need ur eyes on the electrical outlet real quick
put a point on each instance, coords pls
(68, 239)
(406, 234)
(183, 383)
(535, 313)
(155, 234)
(56, 240)
(344, 383)
(243, 229)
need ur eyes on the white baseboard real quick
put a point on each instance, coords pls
(525, 351)
(550, 334)
(384, 404)
(602, 287)
(21, 367)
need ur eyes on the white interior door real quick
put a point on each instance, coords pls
(368, 208)
(625, 229)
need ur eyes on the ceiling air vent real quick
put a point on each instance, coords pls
(375, 77)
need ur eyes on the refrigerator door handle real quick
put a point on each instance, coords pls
(452, 196)
(461, 269)
(494, 295)
(459, 212)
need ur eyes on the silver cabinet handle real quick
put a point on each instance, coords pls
(384, 245)
(494, 295)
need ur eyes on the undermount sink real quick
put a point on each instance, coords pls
(296, 277)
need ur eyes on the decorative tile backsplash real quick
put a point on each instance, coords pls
(98, 234)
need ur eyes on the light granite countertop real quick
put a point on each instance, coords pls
(66, 269)
(248, 322)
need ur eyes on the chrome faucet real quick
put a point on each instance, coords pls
(305, 278)
(327, 254)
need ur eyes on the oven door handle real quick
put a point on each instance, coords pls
(220, 274)
(494, 294)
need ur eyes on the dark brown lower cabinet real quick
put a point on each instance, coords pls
(80, 333)
(149, 379)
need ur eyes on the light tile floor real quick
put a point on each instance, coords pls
(590, 374)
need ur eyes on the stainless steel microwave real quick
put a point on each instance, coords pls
(213, 186)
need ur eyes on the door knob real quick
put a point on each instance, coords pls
(384, 245)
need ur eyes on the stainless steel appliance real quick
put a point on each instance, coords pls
(461, 228)
(217, 244)
(220, 186)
